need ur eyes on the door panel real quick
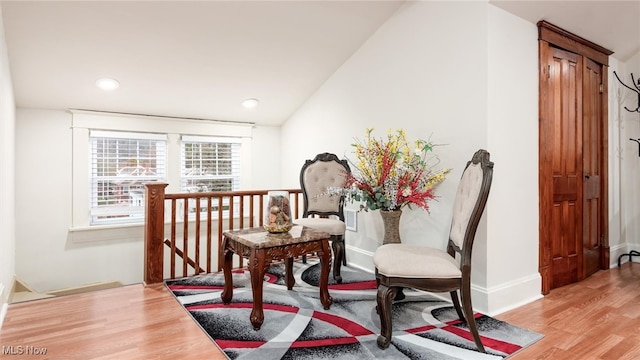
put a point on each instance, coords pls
(592, 133)
(566, 240)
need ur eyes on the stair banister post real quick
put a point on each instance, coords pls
(154, 232)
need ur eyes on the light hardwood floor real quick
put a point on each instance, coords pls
(594, 319)
(598, 318)
(130, 322)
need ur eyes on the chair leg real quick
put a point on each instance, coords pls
(337, 244)
(465, 294)
(385, 299)
(456, 304)
(344, 255)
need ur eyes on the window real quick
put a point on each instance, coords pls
(115, 154)
(209, 164)
(120, 165)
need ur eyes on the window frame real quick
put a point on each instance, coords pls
(84, 120)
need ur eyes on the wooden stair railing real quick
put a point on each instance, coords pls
(191, 224)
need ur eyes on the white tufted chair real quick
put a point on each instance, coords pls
(323, 211)
(420, 267)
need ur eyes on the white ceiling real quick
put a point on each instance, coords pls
(200, 59)
(614, 25)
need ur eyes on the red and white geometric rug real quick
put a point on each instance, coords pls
(297, 327)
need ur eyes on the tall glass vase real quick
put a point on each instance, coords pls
(391, 221)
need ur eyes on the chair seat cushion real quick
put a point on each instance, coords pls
(332, 226)
(412, 261)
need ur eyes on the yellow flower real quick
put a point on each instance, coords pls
(390, 173)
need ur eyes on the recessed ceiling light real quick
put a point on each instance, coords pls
(107, 84)
(250, 103)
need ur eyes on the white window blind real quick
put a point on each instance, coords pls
(121, 163)
(209, 164)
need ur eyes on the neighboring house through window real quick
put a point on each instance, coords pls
(121, 163)
(209, 164)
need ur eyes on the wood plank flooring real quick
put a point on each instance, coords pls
(130, 322)
(598, 318)
(595, 319)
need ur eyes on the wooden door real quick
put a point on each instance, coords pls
(564, 127)
(592, 162)
(572, 156)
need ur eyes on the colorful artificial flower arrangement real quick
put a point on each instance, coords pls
(390, 173)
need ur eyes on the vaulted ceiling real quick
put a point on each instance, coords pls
(200, 59)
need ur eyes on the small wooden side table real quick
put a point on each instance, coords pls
(261, 248)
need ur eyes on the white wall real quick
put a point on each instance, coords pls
(512, 276)
(7, 176)
(430, 71)
(629, 128)
(617, 245)
(48, 255)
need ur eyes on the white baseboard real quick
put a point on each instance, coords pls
(508, 296)
(360, 259)
(617, 250)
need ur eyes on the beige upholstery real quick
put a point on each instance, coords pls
(417, 262)
(318, 178)
(332, 226)
(401, 266)
(467, 193)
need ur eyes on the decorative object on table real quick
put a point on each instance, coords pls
(391, 173)
(278, 219)
(448, 271)
(298, 327)
(323, 211)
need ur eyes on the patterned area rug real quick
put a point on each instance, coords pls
(297, 327)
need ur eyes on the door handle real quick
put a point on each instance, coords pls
(587, 176)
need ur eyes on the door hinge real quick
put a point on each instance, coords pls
(601, 88)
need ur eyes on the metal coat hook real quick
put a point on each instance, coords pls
(636, 90)
(638, 141)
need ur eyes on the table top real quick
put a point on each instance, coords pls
(259, 237)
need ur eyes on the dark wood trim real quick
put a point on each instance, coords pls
(544, 158)
(566, 40)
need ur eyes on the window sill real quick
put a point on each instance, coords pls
(107, 233)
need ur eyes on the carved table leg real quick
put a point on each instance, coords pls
(227, 263)
(288, 269)
(257, 269)
(385, 299)
(325, 263)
